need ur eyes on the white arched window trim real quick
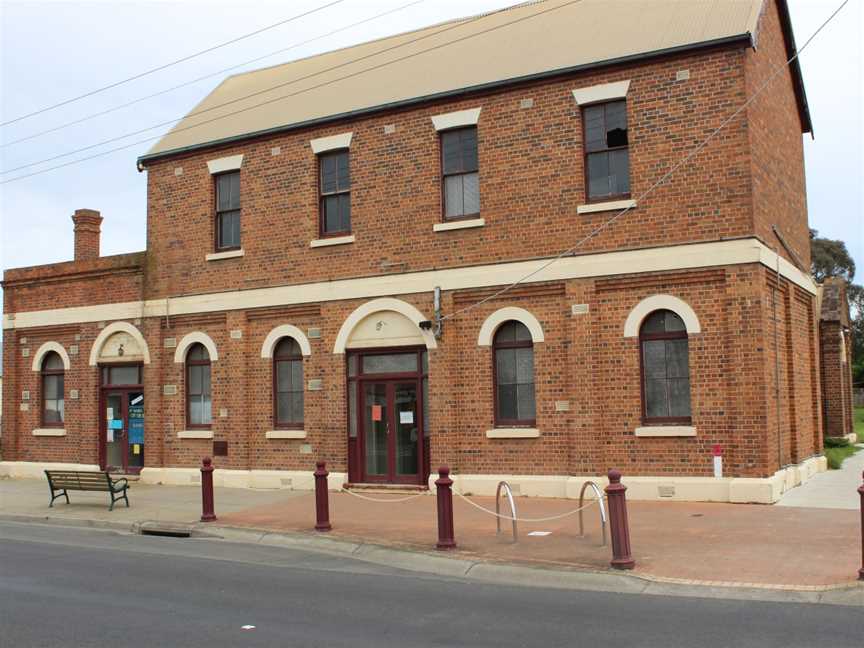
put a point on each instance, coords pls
(374, 306)
(47, 348)
(194, 338)
(111, 329)
(661, 302)
(283, 331)
(496, 319)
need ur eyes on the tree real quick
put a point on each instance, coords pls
(830, 258)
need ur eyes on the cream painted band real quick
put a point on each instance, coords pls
(331, 143)
(195, 434)
(116, 327)
(496, 319)
(661, 302)
(285, 330)
(47, 348)
(456, 119)
(333, 240)
(604, 92)
(459, 224)
(666, 431)
(285, 434)
(49, 432)
(513, 433)
(678, 257)
(196, 337)
(612, 205)
(230, 163)
(374, 306)
(229, 254)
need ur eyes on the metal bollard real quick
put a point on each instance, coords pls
(861, 493)
(621, 558)
(322, 501)
(207, 512)
(445, 509)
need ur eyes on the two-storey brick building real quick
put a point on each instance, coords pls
(328, 241)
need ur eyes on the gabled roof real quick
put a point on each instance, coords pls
(526, 41)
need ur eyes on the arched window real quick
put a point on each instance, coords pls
(665, 368)
(513, 372)
(52, 390)
(198, 399)
(288, 385)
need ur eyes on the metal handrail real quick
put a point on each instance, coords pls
(509, 493)
(603, 517)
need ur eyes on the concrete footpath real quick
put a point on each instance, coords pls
(837, 489)
(692, 549)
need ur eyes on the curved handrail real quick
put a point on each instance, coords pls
(509, 493)
(603, 517)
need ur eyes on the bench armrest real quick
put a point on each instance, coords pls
(122, 482)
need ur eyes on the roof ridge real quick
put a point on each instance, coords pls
(450, 21)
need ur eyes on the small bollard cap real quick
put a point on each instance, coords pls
(207, 461)
(443, 471)
(320, 465)
(614, 476)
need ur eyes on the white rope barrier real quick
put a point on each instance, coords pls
(383, 500)
(519, 519)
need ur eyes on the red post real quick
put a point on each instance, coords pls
(207, 512)
(861, 493)
(322, 501)
(445, 509)
(621, 558)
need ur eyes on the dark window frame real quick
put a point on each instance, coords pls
(217, 221)
(287, 357)
(586, 154)
(646, 337)
(186, 366)
(322, 215)
(444, 217)
(520, 344)
(44, 374)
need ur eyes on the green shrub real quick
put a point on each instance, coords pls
(836, 442)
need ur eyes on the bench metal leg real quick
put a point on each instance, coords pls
(114, 499)
(60, 494)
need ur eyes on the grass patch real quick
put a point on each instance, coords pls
(859, 423)
(837, 454)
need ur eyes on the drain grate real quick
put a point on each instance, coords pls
(165, 530)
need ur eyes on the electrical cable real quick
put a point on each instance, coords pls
(169, 64)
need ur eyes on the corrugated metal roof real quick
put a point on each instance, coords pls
(522, 41)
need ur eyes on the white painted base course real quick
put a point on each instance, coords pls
(766, 490)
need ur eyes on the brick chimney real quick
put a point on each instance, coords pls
(87, 229)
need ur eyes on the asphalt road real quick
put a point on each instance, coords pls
(63, 586)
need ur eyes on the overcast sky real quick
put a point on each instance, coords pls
(50, 52)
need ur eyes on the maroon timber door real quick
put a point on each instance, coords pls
(387, 441)
(121, 419)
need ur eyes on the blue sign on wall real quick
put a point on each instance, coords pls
(136, 424)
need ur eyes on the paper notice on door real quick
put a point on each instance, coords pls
(137, 400)
(116, 424)
(376, 412)
(406, 417)
(110, 437)
(109, 414)
(136, 449)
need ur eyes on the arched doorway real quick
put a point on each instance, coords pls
(387, 367)
(120, 353)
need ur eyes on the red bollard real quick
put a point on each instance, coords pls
(207, 512)
(621, 558)
(445, 509)
(861, 493)
(322, 501)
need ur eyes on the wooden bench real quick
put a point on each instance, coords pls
(60, 481)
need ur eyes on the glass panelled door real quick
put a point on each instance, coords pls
(122, 419)
(391, 431)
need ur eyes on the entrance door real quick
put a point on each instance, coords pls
(386, 437)
(121, 445)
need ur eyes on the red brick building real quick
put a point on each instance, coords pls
(307, 224)
(835, 345)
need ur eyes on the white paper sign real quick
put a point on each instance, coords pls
(110, 435)
(109, 414)
(137, 400)
(406, 417)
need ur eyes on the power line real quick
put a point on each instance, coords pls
(207, 76)
(658, 183)
(280, 98)
(171, 63)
